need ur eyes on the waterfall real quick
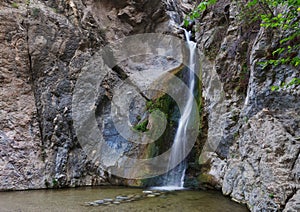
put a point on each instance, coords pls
(175, 178)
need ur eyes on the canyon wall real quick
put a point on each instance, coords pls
(46, 44)
(257, 159)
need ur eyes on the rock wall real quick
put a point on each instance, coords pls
(257, 160)
(46, 44)
(44, 47)
(20, 145)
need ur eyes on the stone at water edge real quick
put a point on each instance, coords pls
(137, 196)
(121, 198)
(130, 196)
(91, 204)
(99, 202)
(116, 202)
(147, 192)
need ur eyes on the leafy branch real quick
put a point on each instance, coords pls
(192, 16)
(287, 22)
(294, 81)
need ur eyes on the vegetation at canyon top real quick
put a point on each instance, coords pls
(279, 16)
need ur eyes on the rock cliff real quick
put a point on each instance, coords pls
(257, 159)
(46, 44)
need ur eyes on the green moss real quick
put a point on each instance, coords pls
(54, 183)
(191, 183)
(205, 178)
(166, 105)
(47, 184)
(35, 12)
(54, 10)
(243, 80)
(15, 5)
(141, 127)
(163, 103)
(149, 104)
(152, 150)
(236, 135)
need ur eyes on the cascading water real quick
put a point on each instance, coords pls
(175, 178)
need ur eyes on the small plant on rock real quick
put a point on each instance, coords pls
(15, 5)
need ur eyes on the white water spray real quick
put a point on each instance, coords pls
(175, 178)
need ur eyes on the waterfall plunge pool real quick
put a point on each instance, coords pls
(75, 200)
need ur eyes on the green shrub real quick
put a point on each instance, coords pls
(197, 11)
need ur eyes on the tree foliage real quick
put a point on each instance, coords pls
(286, 23)
(197, 11)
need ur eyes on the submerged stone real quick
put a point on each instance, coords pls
(116, 202)
(122, 197)
(99, 202)
(147, 192)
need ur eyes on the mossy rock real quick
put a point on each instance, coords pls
(205, 178)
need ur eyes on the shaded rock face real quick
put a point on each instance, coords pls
(257, 160)
(44, 47)
(58, 48)
(293, 203)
